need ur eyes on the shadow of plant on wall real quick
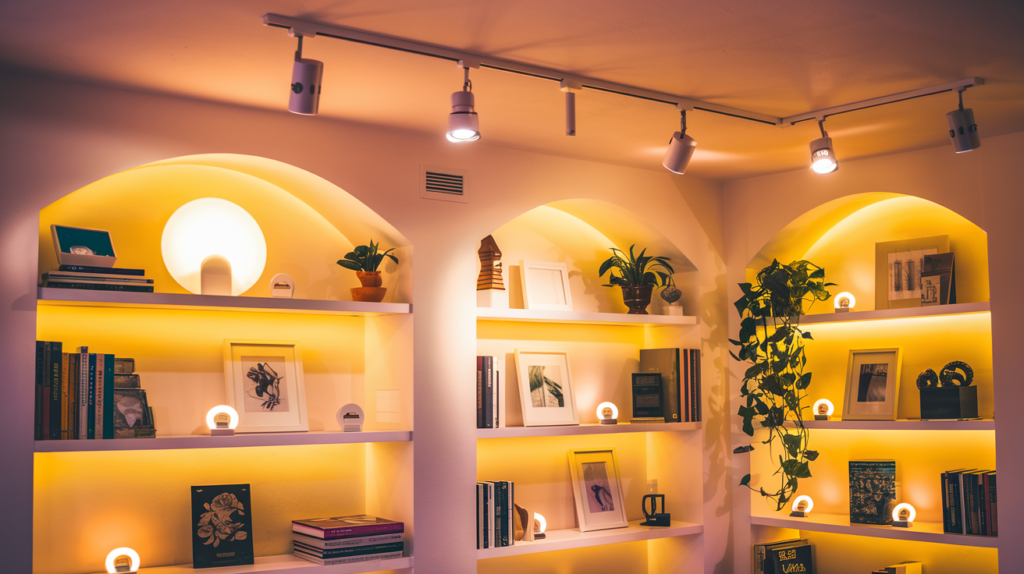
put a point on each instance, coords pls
(772, 342)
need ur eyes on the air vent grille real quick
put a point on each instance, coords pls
(450, 184)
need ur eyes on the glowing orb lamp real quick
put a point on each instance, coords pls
(216, 242)
(903, 515)
(608, 413)
(823, 408)
(122, 560)
(222, 420)
(540, 524)
(802, 506)
(845, 302)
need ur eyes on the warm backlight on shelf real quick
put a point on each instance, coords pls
(222, 418)
(122, 559)
(845, 301)
(607, 413)
(802, 505)
(904, 512)
(823, 407)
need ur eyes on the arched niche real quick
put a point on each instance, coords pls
(579, 233)
(308, 222)
(840, 236)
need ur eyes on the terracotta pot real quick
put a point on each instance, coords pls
(368, 294)
(369, 278)
(637, 298)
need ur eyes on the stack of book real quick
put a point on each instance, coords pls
(680, 382)
(783, 557)
(344, 539)
(85, 395)
(98, 279)
(490, 389)
(495, 521)
(969, 502)
(905, 568)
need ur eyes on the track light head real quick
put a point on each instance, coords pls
(306, 76)
(463, 123)
(962, 129)
(823, 156)
(680, 149)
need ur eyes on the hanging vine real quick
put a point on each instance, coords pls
(774, 385)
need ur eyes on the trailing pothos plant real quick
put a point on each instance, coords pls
(775, 384)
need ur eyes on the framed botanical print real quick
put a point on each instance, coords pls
(872, 385)
(597, 489)
(545, 286)
(264, 384)
(221, 526)
(545, 386)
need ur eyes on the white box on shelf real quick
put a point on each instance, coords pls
(492, 298)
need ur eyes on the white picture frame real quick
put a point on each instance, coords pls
(281, 406)
(538, 409)
(597, 489)
(872, 385)
(545, 286)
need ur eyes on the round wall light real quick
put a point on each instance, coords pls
(903, 515)
(802, 506)
(122, 559)
(823, 408)
(608, 413)
(209, 230)
(222, 420)
(844, 302)
(540, 524)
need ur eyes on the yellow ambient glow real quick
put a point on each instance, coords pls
(803, 498)
(827, 403)
(116, 553)
(607, 405)
(540, 523)
(212, 226)
(210, 416)
(902, 506)
(850, 300)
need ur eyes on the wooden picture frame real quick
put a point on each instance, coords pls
(553, 401)
(264, 384)
(545, 286)
(872, 385)
(597, 489)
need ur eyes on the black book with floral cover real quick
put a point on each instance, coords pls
(221, 526)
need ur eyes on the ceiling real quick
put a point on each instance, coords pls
(779, 58)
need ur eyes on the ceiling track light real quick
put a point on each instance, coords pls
(463, 123)
(305, 89)
(823, 157)
(680, 148)
(570, 87)
(962, 129)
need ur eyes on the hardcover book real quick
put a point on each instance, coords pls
(666, 363)
(398, 546)
(348, 559)
(872, 491)
(320, 543)
(346, 526)
(790, 560)
(221, 526)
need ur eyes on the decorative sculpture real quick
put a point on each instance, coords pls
(950, 374)
(490, 289)
(927, 378)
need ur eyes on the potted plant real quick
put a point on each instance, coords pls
(365, 260)
(638, 276)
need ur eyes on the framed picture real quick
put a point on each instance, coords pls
(131, 413)
(898, 267)
(81, 246)
(545, 386)
(545, 286)
(221, 526)
(264, 384)
(872, 385)
(938, 280)
(597, 488)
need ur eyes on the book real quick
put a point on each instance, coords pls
(485, 515)
(398, 546)
(102, 287)
(65, 390)
(124, 366)
(100, 392)
(53, 365)
(108, 396)
(104, 270)
(127, 381)
(666, 363)
(348, 559)
(794, 559)
(57, 277)
(488, 392)
(499, 393)
(872, 491)
(73, 393)
(320, 543)
(761, 551)
(500, 505)
(346, 526)
(982, 507)
(993, 501)
(479, 392)
(40, 390)
(221, 526)
(480, 515)
(697, 385)
(91, 408)
(83, 393)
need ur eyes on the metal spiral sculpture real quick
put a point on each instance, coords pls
(927, 378)
(950, 376)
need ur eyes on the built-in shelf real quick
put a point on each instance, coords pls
(944, 425)
(911, 312)
(519, 432)
(620, 319)
(568, 539)
(239, 440)
(288, 564)
(840, 524)
(87, 298)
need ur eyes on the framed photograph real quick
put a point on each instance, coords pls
(545, 286)
(264, 384)
(81, 246)
(545, 386)
(131, 413)
(221, 526)
(597, 488)
(872, 385)
(938, 280)
(898, 267)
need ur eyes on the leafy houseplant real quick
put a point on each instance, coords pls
(638, 275)
(365, 260)
(774, 385)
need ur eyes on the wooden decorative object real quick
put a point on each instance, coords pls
(490, 266)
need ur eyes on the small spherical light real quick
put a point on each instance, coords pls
(823, 159)
(122, 559)
(215, 419)
(607, 411)
(908, 513)
(845, 300)
(824, 407)
(807, 506)
(540, 524)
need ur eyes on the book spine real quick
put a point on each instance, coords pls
(53, 372)
(479, 516)
(506, 534)
(40, 390)
(510, 517)
(944, 480)
(349, 559)
(83, 393)
(102, 287)
(488, 515)
(72, 396)
(499, 514)
(363, 530)
(970, 491)
(960, 526)
(101, 363)
(65, 391)
(104, 270)
(499, 384)
(696, 381)
(47, 390)
(108, 397)
(686, 386)
(479, 392)
(995, 506)
(359, 541)
(983, 504)
(495, 393)
(59, 276)
(488, 392)
(351, 551)
(91, 410)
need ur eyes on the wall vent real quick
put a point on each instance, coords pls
(443, 184)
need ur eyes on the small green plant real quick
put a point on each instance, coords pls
(636, 270)
(366, 258)
(775, 384)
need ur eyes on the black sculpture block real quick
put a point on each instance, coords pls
(949, 402)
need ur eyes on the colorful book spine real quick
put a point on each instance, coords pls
(91, 410)
(100, 392)
(479, 392)
(351, 551)
(944, 492)
(65, 392)
(40, 390)
(348, 559)
(72, 396)
(108, 396)
(83, 393)
(488, 392)
(53, 372)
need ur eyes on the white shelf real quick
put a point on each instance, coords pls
(620, 319)
(932, 311)
(518, 432)
(840, 524)
(985, 424)
(239, 440)
(87, 298)
(568, 539)
(288, 564)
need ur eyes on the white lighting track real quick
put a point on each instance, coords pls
(297, 27)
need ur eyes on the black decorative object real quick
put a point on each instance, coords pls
(655, 518)
(221, 526)
(648, 405)
(949, 403)
(671, 294)
(950, 374)
(927, 378)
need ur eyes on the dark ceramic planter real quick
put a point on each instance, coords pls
(637, 298)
